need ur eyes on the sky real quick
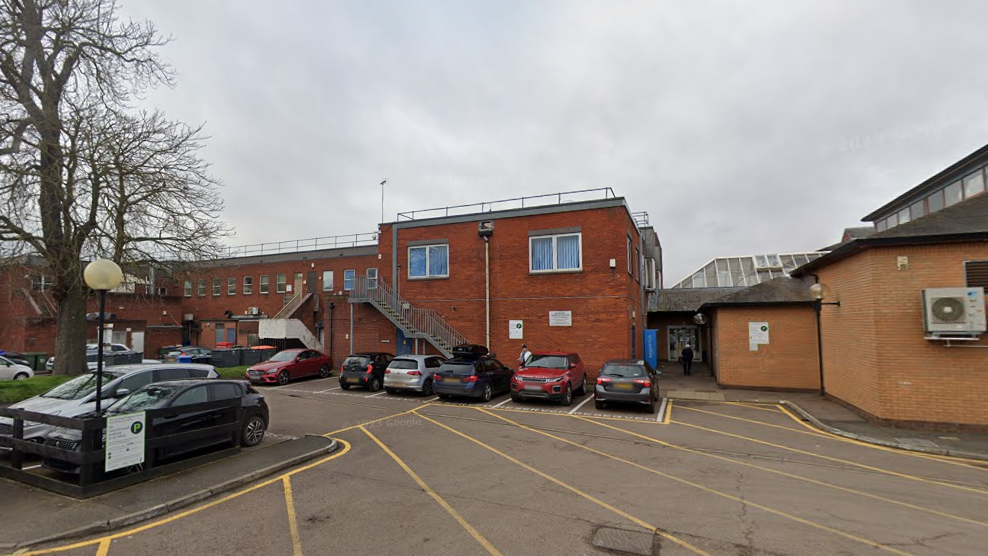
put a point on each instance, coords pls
(740, 127)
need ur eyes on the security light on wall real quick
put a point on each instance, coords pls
(485, 228)
(700, 318)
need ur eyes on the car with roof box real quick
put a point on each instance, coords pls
(627, 381)
(472, 372)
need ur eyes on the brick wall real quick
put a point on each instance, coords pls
(788, 362)
(875, 354)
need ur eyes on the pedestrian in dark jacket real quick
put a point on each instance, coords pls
(687, 359)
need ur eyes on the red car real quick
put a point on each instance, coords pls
(290, 364)
(550, 375)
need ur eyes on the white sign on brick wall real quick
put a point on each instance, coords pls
(560, 318)
(516, 330)
(757, 335)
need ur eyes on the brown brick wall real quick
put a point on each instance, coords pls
(875, 354)
(788, 362)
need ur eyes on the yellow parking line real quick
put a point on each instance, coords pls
(844, 461)
(622, 419)
(104, 548)
(629, 517)
(292, 522)
(942, 459)
(358, 425)
(668, 416)
(764, 424)
(708, 490)
(792, 476)
(753, 406)
(160, 522)
(439, 499)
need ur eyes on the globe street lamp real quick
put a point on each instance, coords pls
(101, 275)
(819, 292)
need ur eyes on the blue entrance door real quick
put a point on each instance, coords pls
(403, 344)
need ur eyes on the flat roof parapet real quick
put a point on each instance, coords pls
(530, 201)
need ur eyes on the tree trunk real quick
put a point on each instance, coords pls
(70, 343)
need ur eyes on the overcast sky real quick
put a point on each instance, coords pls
(740, 127)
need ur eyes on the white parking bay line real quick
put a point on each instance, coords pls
(431, 400)
(662, 409)
(376, 395)
(328, 390)
(577, 408)
(26, 467)
(502, 403)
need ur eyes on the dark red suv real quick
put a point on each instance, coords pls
(550, 375)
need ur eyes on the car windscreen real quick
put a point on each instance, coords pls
(79, 387)
(357, 362)
(623, 371)
(149, 397)
(284, 356)
(547, 362)
(457, 368)
(406, 364)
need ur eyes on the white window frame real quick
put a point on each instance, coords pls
(188, 288)
(555, 254)
(263, 284)
(426, 276)
(353, 279)
(327, 280)
(372, 282)
(201, 287)
(281, 283)
(248, 285)
(217, 287)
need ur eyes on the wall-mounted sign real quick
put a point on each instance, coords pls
(757, 335)
(516, 330)
(560, 318)
(124, 440)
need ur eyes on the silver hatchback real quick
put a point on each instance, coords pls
(411, 373)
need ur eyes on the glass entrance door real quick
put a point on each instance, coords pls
(679, 337)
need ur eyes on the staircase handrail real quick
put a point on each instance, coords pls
(291, 306)
(426, 321)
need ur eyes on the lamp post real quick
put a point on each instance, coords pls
(101, 275)
(819, 292)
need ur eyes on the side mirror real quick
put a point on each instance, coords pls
(572, 365)
(121, 392)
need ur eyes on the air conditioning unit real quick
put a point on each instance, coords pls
(188, 317)
(253, 311)
(954, 310)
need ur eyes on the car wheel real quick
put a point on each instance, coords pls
(488, 393)
(20, 376)
(344, 386)
(253, 432)
(391, 391)
(374, 385)
(598, 405)
(283, 378)
(651, 407)
(516, 398)
(427, 388)
(582, 390)
(567, 396)
(324, 371)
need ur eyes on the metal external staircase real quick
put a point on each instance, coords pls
(413, 322)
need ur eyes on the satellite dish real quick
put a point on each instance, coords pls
(700, 318)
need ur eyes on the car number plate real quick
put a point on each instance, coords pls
(353, 380)
(532, 387)
(624, 386)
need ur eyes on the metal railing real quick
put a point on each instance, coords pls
(296, 245)
(414, 322)
(292, 306)
(517, 202)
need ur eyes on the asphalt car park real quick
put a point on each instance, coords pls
(416, 476)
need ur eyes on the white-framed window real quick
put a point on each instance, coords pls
(555, 253)
(372, 278)
(349, 277)
(40, 282)
(188, 288)
(202, 287)
(263, 283)
(217, 285)
(638, 265)
(327, 280)
(231, 285)
(428, 261)
(629, 256)
(248, 285)
(280, 283)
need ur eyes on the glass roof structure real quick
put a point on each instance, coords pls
(725, 272)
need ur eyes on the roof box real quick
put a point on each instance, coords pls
(469, 351)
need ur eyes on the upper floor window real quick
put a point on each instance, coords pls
(327, 280)
(349, 276)
(216, 286)
(40, 282)
(248, 285)
(629, 255)
(372, 278)
(188, 288)
(231, 286)
(974, 184)
(555, 253)
(263, 283)
(202, 287)
(280, 283)
(428, 261)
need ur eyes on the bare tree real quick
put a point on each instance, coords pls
(79, 176)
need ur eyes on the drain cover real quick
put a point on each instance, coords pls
(624, 542)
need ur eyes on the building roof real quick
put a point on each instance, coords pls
(685, 300)
(857, 232)
(965, 221)
(778, 291)
(951, 173)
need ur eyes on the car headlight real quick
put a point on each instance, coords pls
(557, 379)
(271, 371)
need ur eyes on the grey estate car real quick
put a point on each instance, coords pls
(627, 381)
(78, 395)
(411, 373)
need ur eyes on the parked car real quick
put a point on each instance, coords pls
(11, 370)
(471, 372)
(92, 349)
(198, 354)
(365, 369)
(550, 375)
(411, 373)
(16, 357)
(251, 413)
(631, 381)
(78, 396)
(289, 365)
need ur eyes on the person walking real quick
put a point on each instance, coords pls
(524, 355)
(687, 359)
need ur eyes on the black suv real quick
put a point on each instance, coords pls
(365, 369)
(472, 372)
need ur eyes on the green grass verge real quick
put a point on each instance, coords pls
(236, 373)
(13, 391)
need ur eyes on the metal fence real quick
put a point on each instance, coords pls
(307, 244)
(517, 202)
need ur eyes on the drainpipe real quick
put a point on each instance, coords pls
(351, 327)
(332, 306)
(487, 274)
